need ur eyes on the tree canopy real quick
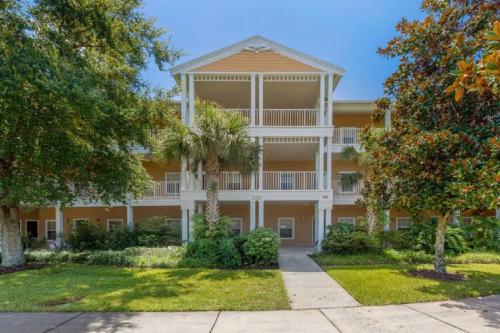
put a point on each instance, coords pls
(72, 100)
(440, 154)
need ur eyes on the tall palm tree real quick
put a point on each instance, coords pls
(217, 140)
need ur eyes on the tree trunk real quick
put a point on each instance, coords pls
(439, 263)
(371, 219)
(212, 210)
(12, 247)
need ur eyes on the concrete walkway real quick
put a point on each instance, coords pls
(307, 285)
(470, 315)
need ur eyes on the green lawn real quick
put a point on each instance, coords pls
(70, 287)
(390, 284)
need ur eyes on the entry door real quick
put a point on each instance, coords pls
(32, 229)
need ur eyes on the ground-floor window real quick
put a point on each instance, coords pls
(79, 222)
(286, 227)
(50, 226)
(403, 223)
(347, 220)
(115, 224)
(32, 228)
(173, 223)
(236, 226)
(467, 220)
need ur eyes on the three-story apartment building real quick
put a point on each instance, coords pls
(287, 97)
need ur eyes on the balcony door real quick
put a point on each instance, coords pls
(172, 183)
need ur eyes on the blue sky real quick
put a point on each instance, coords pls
(344, 32)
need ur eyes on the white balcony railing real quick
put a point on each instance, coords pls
(289, 180)
(234, 181)
(347, 190)
(162, 190)
(281, 117)
(245, 113)
(346, 136)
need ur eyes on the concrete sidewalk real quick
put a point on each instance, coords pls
(307, 285)
(470, 315)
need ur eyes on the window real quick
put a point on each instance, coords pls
(79, 222)
(236, 226)
(286, 181)
(286, 226)
(467, 220)
(173, 183)
(347, 220)
(50, 226)
(403, 223)
(173, 223)
(115, 224)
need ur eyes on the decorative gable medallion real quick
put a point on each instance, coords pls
(256, 48)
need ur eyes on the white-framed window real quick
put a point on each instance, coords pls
(173, 223)
(173, 183)
(236, 226)
(467, 220)
(346, 186)
(347, 220)
(403, 223)
(286, 181)
(115, 224)
(50, 229)
(32, 227)
(79, 222)
(286, 226)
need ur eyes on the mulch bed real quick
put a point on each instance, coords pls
(19, 268)
(433, 275)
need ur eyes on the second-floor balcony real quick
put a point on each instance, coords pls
(279, 117)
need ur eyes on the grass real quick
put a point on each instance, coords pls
(390, 256)
(72, 287)
(390, 283)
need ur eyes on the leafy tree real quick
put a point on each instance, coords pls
(440, 154)
(72, 103)
(216, 140)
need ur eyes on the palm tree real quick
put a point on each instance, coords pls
(217, 140)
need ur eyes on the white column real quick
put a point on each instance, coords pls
(183, 174)
(387, 118)
(261, 99)
(261, 213)
(497, 213)
(191, 99)
(316, 167)
(184, 224)
(130, 216)
(59, 224)
(252, 214)
(200, 176)
(455, 218)
(316, 219)
(330, 100)
(321, 162)
(183, 98)
(321, 227)
(191, 212)
(387, 220)
(328, 218)
(322, 99)
(261, 163)
(329, 163)
(252, 99)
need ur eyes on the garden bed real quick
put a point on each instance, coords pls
(20, 268)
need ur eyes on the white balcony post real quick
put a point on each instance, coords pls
(387, 118)
(191, 99)
(316, 219)
(261, 99)
(191, 211)
(387, 220)
(321, 227)
(130, 216)
(183, 99)
(322, 99)
(321, 167)
(183, 174)
(252, 99)
(497, 213)
(252, 214)
(184, 224)
(59, 224)
(261, 213)
(330, 100)
(200, 177)
(261, 163)
(329, 163)
(328, 218)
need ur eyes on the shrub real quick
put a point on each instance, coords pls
(344, 238)
(213, 253)
(261, 247)
(394, 240)
(86, 236)
(201, 229)
(483, 234)
(422, 236)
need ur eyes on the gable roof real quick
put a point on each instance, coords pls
(258, 44)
